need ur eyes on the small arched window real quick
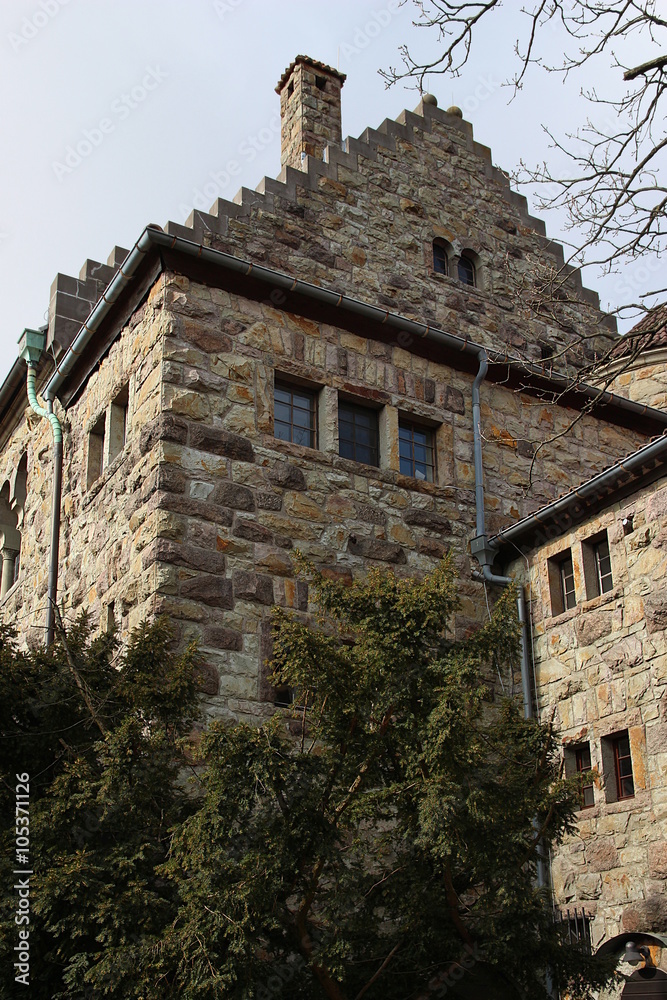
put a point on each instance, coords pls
(466, 270)
(440, 257)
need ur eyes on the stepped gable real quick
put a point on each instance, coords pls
(72, 299)
(290, 223)
(290, 244)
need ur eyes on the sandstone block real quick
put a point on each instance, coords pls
(428, 519)
(170, 478)
(269, 501)
(277, 562)
(655, 609)
(453, 400)
(166, 551)
(646, 915)
(214, 591)
(657, 505)
(601, 854)
(167, 427)
(207, 338)
(657, 860)
(220, 637)
(208, 679)
(287, 476)
(252, 531)
(232, 495)
(593, 625)
(221, 516)
(253, 586)
(302, 505)
(376, 548)
(217, 441)
(432, 547)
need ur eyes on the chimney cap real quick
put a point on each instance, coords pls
(307, 61)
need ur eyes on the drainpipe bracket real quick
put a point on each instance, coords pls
(482, 550)
(31, 346)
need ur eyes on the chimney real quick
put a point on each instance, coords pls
(309, 110)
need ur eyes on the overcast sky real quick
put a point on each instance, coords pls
(183, 88)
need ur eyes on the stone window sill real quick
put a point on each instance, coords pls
(639, 801)
(585, 606)
(597, 602)
(100, 482)
(564, 616)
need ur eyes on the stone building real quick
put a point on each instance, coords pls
(297, 369)
(595, 562)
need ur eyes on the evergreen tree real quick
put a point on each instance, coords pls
(379, 838)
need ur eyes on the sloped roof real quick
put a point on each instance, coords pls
(649, 334)
(639, 468)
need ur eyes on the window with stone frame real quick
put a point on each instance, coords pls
(597, 565)
(561, 582)
(578, 764)
(95, 450)
(416, 449)
(441, 254)
(358, 433)
(295, 414)
(582, 755)
(117, 426)
(12, 501)
(617, 767)
(466, 269)
(107, 437)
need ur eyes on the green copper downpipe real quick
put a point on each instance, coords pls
(32, 345)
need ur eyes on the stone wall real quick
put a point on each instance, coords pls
(602, 666)
(644, 380)
(235, 501)
(200, 512)
(103, 526)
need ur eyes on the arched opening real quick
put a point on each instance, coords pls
(10, 542)
(646, 982)
(441, 252)
(466, 269)
(12, 503)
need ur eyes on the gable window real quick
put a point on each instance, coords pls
(416, 453)
(582, 754)
(358, 433)
(295, 415)
(466, 270)
(561, 583)
(597, 566)
(440, 258)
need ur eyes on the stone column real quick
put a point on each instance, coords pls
(8, 562)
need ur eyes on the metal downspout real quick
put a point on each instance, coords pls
(484, 554)
(52, 592)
